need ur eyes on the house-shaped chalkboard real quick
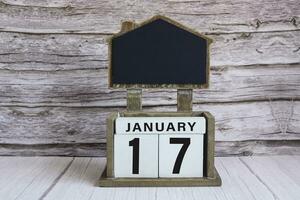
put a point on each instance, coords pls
(159, 53)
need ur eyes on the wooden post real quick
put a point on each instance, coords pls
(184, 100)
(127, 26)
(134, 99)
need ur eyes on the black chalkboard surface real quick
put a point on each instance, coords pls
(159, 54)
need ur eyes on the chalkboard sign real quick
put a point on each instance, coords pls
(159, 53)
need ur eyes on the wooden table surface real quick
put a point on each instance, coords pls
(276, 177)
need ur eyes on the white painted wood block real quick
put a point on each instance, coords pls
(136, 156)
(181, 155)
(148, 125)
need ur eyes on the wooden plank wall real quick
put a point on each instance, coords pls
(54, 96)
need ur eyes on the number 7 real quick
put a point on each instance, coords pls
(185, 144)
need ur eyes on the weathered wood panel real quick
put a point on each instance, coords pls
(234, 122)
(65, 52)
(234, 187)
(273, 175)
(85, 171)
(77, 16)
(51, 178)
(58, 149)
(30, 177)
(223, 148)
(258, 147)
(53, 73)
(89, 87)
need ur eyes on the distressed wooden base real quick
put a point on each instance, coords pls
(159, 182)
(211, 176)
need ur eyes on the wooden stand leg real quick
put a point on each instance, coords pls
(184, 100)
(134, 99)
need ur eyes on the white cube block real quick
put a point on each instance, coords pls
(181, 155)
(136, 156)
(160, 125)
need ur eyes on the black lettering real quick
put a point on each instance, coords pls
(148, 126)
(136, 127)
(161, 128)
(192, 125)
(181, 125)
(170, 126)
(128, 128)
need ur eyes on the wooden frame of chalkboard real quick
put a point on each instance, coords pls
(210, 178)
(174, 86)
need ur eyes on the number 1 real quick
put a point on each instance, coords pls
(135, 143)
(185, 144)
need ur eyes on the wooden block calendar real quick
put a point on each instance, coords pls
(159, 148)
(158, 154)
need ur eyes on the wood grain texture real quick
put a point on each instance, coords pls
(64, 51)
(84, 173)
(234, 122)
(29, 177)
(56, 149)
(89, 87)
(54, 95)
(102, 17)
(223, 148)
(258, 147)
(251, 178)
(68, 126)
(273, 172)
